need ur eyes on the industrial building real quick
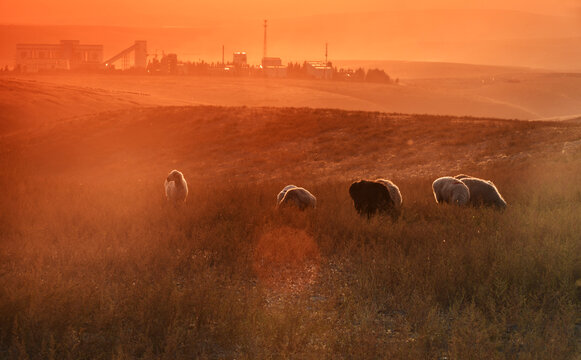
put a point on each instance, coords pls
(67, 55)
(319, 70)
(239, 59)
(272, 67)
(134, 57)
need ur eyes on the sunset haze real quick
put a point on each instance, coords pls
(271, 179)
(542, 34)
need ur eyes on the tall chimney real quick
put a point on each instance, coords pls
(264, 48)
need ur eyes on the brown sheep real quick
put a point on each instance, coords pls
(371, 197)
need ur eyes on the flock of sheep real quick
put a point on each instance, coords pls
(373, 196)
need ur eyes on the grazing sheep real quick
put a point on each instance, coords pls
(297, 196)
(483, 192)
(449, 190)
(176, 188)
(370, 197)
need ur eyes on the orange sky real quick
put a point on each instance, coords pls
(196, 13)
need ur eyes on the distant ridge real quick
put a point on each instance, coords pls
(431, 69)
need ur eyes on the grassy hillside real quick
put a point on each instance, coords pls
(258, 144)
(95, 264)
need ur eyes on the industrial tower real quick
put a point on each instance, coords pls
(264, 47)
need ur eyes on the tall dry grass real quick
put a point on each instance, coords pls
(105, 269)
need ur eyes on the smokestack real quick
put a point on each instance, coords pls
(264, 48)
(326, 58)
(222, 55)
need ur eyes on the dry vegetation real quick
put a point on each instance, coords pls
(94, 264)
(508, 93)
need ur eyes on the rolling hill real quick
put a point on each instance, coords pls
(478, 91)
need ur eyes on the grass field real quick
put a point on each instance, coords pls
(95, 265)
(444, 89)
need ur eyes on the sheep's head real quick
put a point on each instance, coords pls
(175, 176)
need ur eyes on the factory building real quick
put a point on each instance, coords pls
(169, 64)
(319, 70)
(67, 55)
(272, 67)
(239, 59)
(134, 57)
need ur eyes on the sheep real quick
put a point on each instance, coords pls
(370, 197)
(482, 192)
(176, 188)
(449, 190)
(297, 196)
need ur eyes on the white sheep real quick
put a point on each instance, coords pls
(449, 190)
(176, 188)
(482, 192)
(297, 196)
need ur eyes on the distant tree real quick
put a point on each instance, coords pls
(359, 75)
(377, 75)
(294, 70)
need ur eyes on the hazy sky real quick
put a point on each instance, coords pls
(195, 13)
(299, 29)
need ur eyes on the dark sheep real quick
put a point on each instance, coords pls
(371, 197)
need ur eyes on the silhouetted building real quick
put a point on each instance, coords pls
(272, 67)
(134, 57)
(319, 70)
(239, 59)
(271, 61)
(169, 64)
(68, 55)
